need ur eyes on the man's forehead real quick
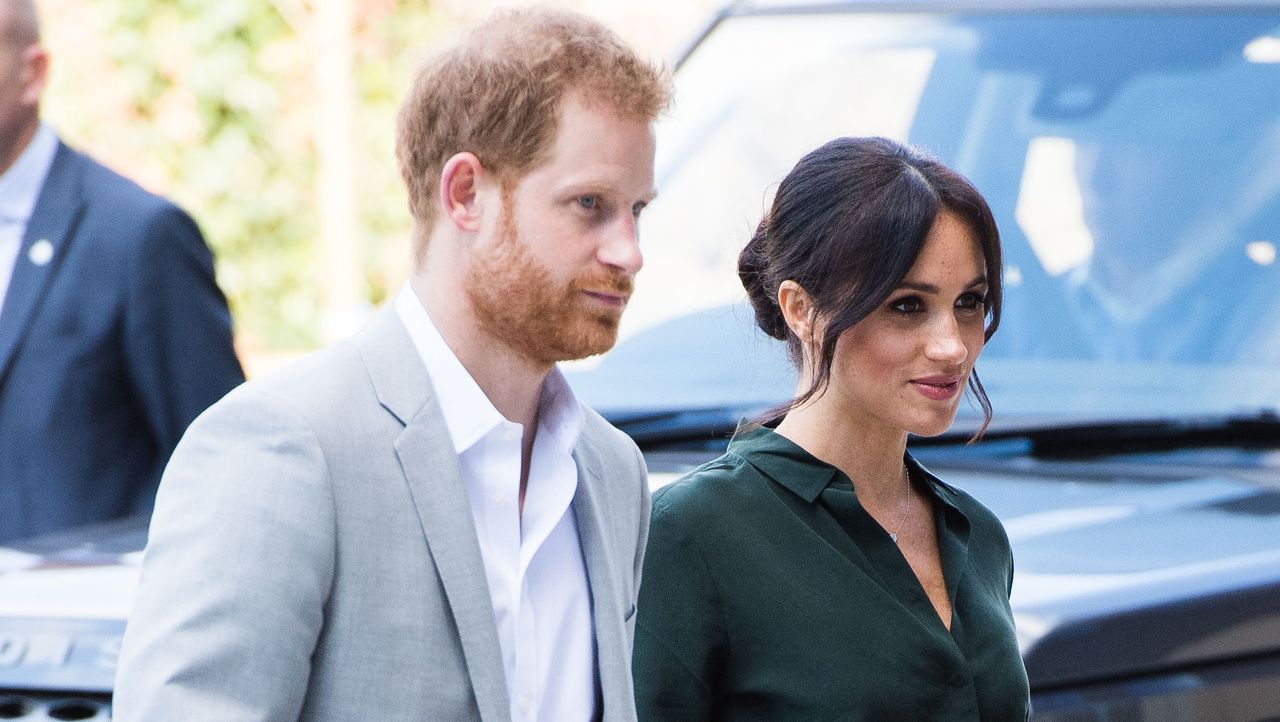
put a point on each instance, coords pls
(586, 100)
(596, 145)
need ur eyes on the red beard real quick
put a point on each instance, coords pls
(517, 302)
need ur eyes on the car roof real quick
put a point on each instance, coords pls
(797, 6)
(747, 8)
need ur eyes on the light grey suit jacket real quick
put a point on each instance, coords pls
(312, 555)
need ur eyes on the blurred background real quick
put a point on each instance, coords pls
(272, 123)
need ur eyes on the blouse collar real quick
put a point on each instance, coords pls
(807, 476)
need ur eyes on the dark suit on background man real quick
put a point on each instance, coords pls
(113, 333)
(113, 337)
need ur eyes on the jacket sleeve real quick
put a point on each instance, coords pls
(681, 639)
(177, 331)
(236, 573)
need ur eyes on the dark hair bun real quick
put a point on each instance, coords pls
(753, 273)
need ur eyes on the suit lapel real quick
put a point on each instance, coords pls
(52, 227)
(431, 470)
(613, 655)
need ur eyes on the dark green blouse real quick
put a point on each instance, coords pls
(770, 594)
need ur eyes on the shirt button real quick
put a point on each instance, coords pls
(959, 680)
(524, 705)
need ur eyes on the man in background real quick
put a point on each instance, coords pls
(424, 523)
(113, 333)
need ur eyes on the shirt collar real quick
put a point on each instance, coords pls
(804, 474)
(559, 411)
(783, 461)
(20, 185)
(468, 412)
(945, 493)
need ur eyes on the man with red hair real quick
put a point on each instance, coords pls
(424, 523)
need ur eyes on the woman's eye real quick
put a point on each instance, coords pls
(971, 301)
(910, 304)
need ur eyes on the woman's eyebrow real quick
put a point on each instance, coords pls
(930, 288)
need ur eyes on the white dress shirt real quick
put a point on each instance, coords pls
(19, 188)
(534, 565)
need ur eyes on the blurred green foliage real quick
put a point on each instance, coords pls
(212, 104)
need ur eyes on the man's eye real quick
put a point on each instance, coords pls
(910, 304)
(589, 202)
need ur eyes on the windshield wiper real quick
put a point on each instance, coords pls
(653, 429)
(1042, 437)
(1077, 438)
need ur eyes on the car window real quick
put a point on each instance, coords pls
(1132, 161)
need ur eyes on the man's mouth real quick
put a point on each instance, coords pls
(608, 298)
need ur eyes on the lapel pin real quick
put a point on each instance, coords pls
(41, 252)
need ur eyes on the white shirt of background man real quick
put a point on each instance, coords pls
(534, 565)
(19, 189)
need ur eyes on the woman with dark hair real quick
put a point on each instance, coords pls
(816, 570)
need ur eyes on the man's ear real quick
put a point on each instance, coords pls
(461, 180)
(35, 73)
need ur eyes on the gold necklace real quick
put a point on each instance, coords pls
(902, 518)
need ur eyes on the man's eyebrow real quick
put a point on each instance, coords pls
(930, 288)
(582, 185)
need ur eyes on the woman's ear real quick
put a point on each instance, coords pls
(797, 310)
(460, 181)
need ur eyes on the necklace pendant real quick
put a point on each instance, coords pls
(894, 537)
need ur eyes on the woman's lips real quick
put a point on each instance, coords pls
(938, 388)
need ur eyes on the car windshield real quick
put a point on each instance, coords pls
(1132, 161)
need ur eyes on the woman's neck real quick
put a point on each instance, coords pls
(869, 454)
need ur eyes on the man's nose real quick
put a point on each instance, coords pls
(621, 247)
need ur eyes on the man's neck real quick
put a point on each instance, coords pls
(10, 152)
(1132, 287)
(512, 382)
